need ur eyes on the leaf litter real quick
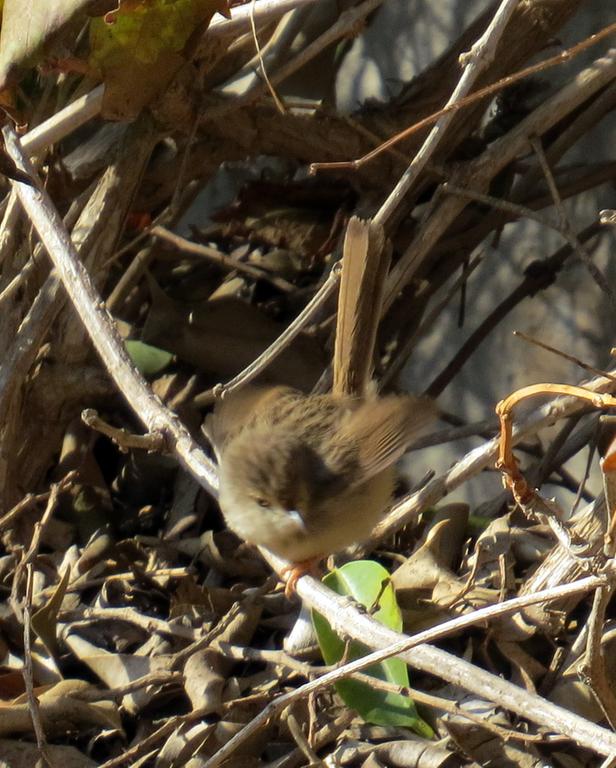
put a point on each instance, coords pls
(156, 634)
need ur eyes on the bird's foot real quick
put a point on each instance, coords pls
(295, 571)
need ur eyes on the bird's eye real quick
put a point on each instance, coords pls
(263, 503)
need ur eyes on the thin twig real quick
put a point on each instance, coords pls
(220, 259)
(427, 323)
(345, 22)
(559, 352)
(82, 582)
(124, 439)
(472, 98)
(258, 365)
(538, 474)
(35, 542)
(267, 656)
(35, 712)
(515, 209)
(495, 158)
(29, 501)
(149, 624)
(476, 460)
(581, 486)
(539, 275)
(593, 669)
(474, 62)
(565, 227)
(253, 28)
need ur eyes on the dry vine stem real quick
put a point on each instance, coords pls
(524, 495)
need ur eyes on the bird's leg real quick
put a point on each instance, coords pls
(295, 571)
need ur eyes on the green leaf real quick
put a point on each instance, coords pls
(148, 359)
(368, 582)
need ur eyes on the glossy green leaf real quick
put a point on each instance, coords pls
(368, 582)
(148, 359)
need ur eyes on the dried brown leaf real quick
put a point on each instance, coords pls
(21, 754)
(223, 336)
(61, 710)
(119, 669)
(204, 682)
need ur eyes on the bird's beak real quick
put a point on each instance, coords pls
(297, 517)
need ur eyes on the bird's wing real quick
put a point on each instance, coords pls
(237, 410)
(382, 429)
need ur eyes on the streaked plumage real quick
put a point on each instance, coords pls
(307, 475)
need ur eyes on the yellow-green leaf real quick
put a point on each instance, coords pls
(138, 48)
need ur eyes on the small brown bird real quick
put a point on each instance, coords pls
(307, 475)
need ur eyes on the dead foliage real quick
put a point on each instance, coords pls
(134, 628)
